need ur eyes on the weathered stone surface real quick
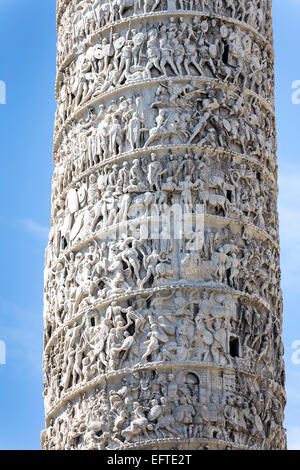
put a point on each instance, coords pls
(163, 306)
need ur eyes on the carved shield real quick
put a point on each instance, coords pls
(162, 337)
(206, 336)
(119, 43)
(76, 227)
(138, 39)
(72, 201)
(213, 51)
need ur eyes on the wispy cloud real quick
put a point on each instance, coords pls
(36, 229)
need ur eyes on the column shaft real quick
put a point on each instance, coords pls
(163, 306)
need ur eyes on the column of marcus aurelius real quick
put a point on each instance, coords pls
(163, 306)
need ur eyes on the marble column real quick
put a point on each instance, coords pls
(163, 307)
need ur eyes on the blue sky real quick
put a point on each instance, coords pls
(27, 65)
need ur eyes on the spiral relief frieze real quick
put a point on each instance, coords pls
(162, 304)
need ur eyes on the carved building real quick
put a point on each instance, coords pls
(155, 340)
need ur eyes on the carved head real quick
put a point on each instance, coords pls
(204, 26)
(92, 179)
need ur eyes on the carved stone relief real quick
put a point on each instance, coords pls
(162, 302)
